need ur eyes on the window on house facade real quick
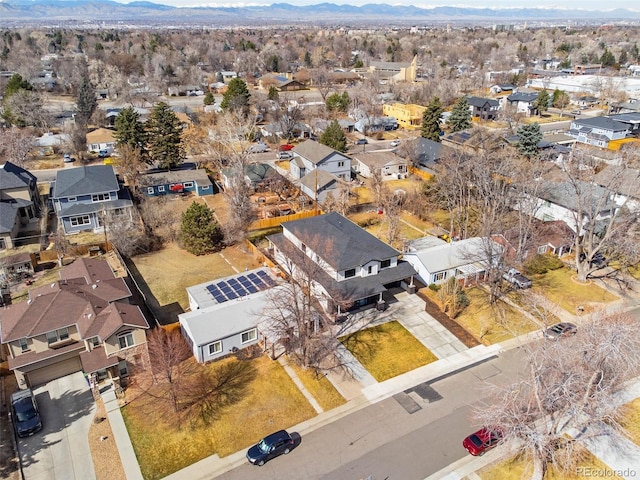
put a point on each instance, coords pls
(187, 184)
(80, 220)
(94, 341)
(71, 199)
(205, 187)
(150, 190)
(249, 335)
(3, 244)
(350, 273)
(215, 347)
(439, 276)
(24, 345)
(57, 335)
(126, 340)
(123, 368)
(341, 164)
(161, 188)
(100, 197)
(542, 249)
(385, 264)
(369, 269)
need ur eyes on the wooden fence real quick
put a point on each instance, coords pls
(73, 251)
(276, 221)
(420, 173)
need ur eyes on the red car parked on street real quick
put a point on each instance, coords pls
(285, 147)
(484, 439)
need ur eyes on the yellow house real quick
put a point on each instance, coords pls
(101, 139)
(409, 115)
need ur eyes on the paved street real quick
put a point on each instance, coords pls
(385, 440)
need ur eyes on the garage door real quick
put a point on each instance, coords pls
(57, 370)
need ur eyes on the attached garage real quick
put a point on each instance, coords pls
(51, 372)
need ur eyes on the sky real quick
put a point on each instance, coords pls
(568, 4)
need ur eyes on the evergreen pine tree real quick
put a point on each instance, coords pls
(542, 102)
(236, 96)
(334, 137)
(209, 99)
(164, 134)
(86, 102)
(199, 232)
(529, 137)
(431, 120)
(460, 118)
(130, 130)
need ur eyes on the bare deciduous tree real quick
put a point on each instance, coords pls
(16, 145)
(566, 392)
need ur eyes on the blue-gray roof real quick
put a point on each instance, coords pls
(523, 97)
(480, 102)
(338, 241)
(591, 196)
(601, 122)
(73, 182)
(13, 176)
(8, 213)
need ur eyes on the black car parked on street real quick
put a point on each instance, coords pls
(269, 447)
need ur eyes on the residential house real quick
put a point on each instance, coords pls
(257, 175)
(351, 265)
(84, 322)
(49, 143)
(624, 185)
(408, 116)
(19, 203)
(225, 314)
(20, 263)
(101, 139)
(598, 131)
(311, 155)
(424, 153)
(523, 102)
(84, 196)
(483, 108)
(176, 181)
(559, 201)
(550, 238)
(632, 119)
(390, 165)
(436, 261)
(227, 75)
(394, 71)
(369, 125)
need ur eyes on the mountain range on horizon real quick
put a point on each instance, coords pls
(49, 11)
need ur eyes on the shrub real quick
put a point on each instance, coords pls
(434, 287)
(541, 264)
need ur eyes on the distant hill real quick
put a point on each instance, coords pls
(140, 12)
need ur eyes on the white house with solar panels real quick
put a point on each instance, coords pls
(225, 314)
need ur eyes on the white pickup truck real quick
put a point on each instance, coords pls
(517, 279)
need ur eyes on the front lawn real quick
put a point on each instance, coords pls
(272, 402)
(491, 324)
(630, 420)
(319, 387)
(166, 273)
(561, 287)
(387, 350)
(516, 469)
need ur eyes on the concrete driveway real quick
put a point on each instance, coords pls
(60, 451)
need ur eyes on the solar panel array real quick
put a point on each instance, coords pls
(240, 286)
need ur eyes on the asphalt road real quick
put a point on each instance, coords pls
(385, 441)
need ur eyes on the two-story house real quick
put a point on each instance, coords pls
(598, 131)
(310, 156)
(84, 198)
(523, 102)
(483, 108)
(352, 266)
(82, 322)
(19, 203)
(409, 116)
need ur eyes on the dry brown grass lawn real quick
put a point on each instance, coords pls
(631, 420)
(272, 402)
(169, 271)
(489, 324)
(387, 350)
(319, 387)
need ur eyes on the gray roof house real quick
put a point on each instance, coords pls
(19, 203)
(523, 102)
(176, 181)
(559, 201)
(390, 165)
(225, 314)
(318, 184)
(353, 266)
(484, 108)
(598, 131)
(84, 196)
(437, 263)
(310, 155)
(424, 153)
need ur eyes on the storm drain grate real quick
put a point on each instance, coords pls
(406, 402)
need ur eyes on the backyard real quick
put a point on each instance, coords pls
(387, 350)
(271, 402)
(166, 273)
